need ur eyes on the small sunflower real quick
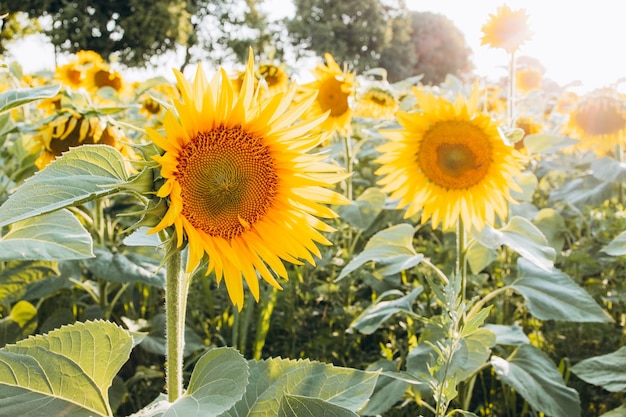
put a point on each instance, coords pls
(528, 79)
(449, 162)
(275, 77)
(101, 75)
(599, 121)
(507, 29)
(376, 102)
(334, 88)
(70, 129)
(241, 185)
(70, 74)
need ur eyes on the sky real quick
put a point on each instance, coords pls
(574, 40)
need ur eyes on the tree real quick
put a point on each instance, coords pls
(399, 57)
(354, 31)
(439, 49)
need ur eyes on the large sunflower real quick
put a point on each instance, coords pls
(240, 183)
(334, 88)
(449, 162)
(507, 29)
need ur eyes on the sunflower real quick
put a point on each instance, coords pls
(507, 29)
(599, 121)
(70, 74)
(70, 129)
(334, 88)
(275, 77)
(240, 183)
(450, 162)
(100, 75)
(528, 79)
(376, 102)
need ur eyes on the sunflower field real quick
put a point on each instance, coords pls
(237, 243)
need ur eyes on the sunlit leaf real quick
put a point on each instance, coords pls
(608, 169)
(545, 143)
(533, 375)
(553, 295)
(11, 99)
(82, 174)
(271, 379)
(607, 371)
(523, 237)
(616, 412)
(617, 247)
(52, 236)
(363, 211)
(66, 372)
(528, 183)
(217, 382)
(508, 335)
(125, 268)
(16, 277)
(377, 313)
(388, 390)
(300, 406)
(391, 249)
(20, 323)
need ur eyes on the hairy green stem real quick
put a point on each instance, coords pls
(176, 288)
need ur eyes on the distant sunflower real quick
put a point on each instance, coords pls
(528, 79)
(507, 29)
(241, 186)
(101, 75)
(275, 77)
(449, 162)
(334, 88)
(70, 75)
(376, 102)
(70, 129)
(599, 121)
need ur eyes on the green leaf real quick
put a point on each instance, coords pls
(81, 174)
(20, 323)
(12, 99)
(363, 211)
(271, 379)
(616, 412)
(460, 413)
(545, 143)
(528, 183)
(392, 248)
(607, 371)
(125, 268)
(217, 382)
(300, 406)
(521, 236)
(388, 390)
(471, 354)
(18, 276)
(617, 247)
(553, 295)
(66, 372)
(552, 225)
(533, 375)
(608, 169)
(51, 237)
(508, 335)
(584, 190)
(377, 313)
(479, 257)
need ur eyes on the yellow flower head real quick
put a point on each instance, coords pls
(334, 88)
(101, 75)
(528, 79)
(376, 102)
(275, 77)
(507, 29)
(241, 185)
(449, 162)
(70, 129)
(599, 121)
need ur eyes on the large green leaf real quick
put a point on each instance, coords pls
(546, 143)
(16, 98)
(617, 247)
(523, 237)
(81, 174)
(52, 237)
(553, 295)
(66, 372)
(271, 379)
(388, 390)
(300, 406)
(20, 323)
(616, 412)
(17, 277)
(508, 335)
(374, 315)
(217, 382)
(125, 268)
(533, 375)
(363, 211)
(607, 371)
(392, 249)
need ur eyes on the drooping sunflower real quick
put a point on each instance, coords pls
(376, 102)
(507, 29)
(241, 185)
(599, 120)
(335, 88)
(71, 128)
(449, 162)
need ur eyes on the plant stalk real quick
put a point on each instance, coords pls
(176, 288)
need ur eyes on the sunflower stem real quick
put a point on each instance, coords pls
(510, 108)
(176, 288)
(348, 150)
(461, 261)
